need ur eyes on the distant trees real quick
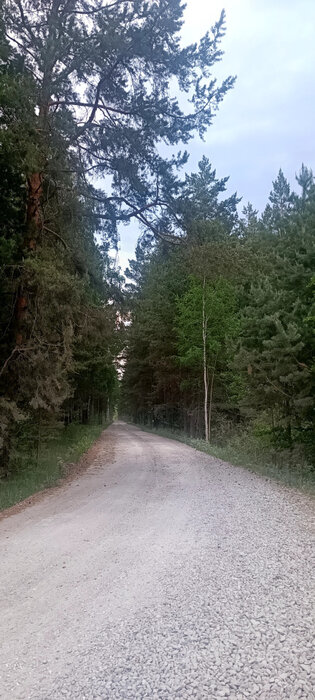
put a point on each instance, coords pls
(229, 315)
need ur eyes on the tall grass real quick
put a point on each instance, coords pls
(34, 472)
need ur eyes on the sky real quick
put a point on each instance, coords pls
(267, 121)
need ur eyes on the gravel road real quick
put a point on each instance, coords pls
(158, 573)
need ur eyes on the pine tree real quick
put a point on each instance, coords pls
(278, 341)
(200, 201)
(103, 77)
(249, 223)
(277, 214)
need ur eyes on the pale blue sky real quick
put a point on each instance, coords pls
(267, 120)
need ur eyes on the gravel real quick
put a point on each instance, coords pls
(159, 573)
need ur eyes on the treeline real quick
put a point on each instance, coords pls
(222, 335)
(85, 100)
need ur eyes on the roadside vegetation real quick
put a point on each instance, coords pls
(248, 451)
(43, 466)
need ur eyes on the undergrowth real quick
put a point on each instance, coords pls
(35, 472)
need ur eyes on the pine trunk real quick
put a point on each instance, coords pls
(32, 235)
(34, 220)
(33, 215)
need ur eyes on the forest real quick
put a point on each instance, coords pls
(211, 331)
(221, 344)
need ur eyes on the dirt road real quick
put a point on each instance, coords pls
(158, 573)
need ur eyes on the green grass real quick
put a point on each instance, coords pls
(246, 451)
(32, 475)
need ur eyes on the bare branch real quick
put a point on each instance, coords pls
(25, 23)
(57, 236)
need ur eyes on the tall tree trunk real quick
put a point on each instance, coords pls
(34, 214)
(32, 235)
(205, 372)
(33, 224)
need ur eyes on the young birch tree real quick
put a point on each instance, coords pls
(206, 319)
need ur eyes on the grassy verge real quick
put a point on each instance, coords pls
(35, 474)
(245, 451)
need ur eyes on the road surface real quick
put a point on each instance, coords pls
(159, 573)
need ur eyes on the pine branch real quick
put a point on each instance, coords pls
(105, 7)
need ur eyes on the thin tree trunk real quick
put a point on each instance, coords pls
(205, 373)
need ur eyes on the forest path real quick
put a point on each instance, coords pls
(162, 573)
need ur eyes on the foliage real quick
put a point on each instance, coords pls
(219, 303)
(37, 470)
(205, 323)
(107, 80)
(255, 284)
